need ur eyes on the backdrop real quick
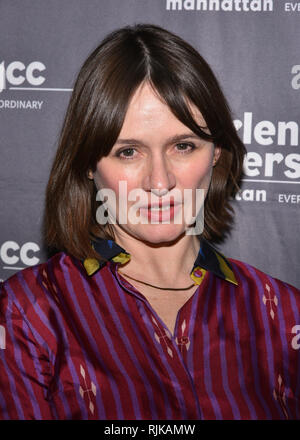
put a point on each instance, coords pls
(253, 47)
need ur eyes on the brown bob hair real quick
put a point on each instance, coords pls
(106, 82)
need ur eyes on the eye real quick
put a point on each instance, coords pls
(126, 153)
(185, 147)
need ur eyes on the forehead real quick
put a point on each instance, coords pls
(148, 109)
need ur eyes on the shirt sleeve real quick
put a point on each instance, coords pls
(24, 365)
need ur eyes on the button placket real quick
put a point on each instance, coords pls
(183, 341)
(124, 283)
(163, 334)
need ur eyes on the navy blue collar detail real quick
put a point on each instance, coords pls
(208, 258)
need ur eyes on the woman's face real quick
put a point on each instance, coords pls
(160, 157)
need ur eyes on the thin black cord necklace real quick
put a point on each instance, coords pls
(156, 287)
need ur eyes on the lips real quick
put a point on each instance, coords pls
(160, 205)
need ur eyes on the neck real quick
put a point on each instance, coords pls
(177, 257)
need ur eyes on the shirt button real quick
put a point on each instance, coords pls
(183, 340)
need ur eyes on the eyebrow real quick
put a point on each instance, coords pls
(170, 140)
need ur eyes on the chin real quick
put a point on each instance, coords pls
(159, 233)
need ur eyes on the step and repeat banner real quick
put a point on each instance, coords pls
(253, 46)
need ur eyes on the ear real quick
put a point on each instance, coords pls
(217, 154)
(90, 175)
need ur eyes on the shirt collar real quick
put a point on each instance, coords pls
(208, 259)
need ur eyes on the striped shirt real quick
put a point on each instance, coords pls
(78, 341)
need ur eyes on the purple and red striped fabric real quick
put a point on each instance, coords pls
(75, 346)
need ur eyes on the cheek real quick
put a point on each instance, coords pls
(108, 175)
(198, 175)
(105, 180)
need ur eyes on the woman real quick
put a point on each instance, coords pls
(146, 320)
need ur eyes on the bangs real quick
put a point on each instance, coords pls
(178, 103)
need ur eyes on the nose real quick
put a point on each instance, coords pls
(159, 177)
